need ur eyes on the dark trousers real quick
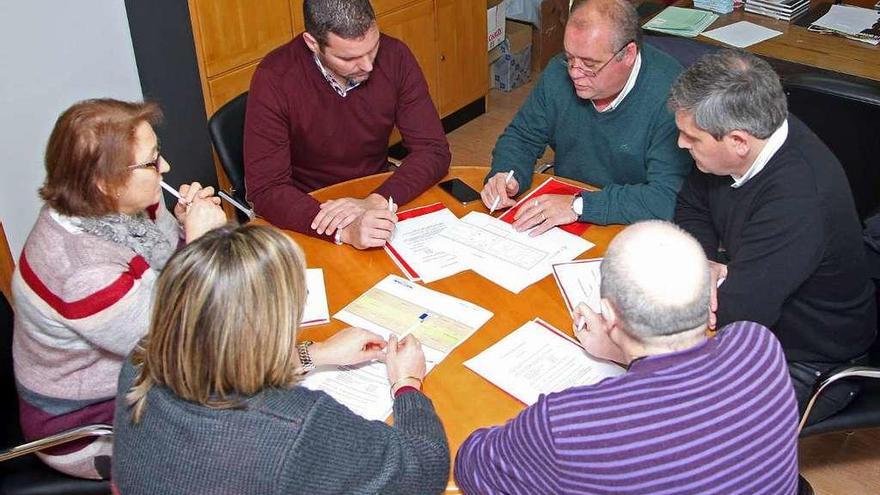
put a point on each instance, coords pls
(804, 377)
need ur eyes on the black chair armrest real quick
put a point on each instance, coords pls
(832, 376)
(57, 439)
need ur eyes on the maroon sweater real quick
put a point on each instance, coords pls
(300, 135)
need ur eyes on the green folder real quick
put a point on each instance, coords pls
(681, 22)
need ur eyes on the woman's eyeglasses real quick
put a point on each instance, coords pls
(155, 164)
(569, 63)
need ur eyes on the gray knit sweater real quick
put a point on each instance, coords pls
(281, 441)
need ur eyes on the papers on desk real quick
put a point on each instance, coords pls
(578, 282)
(400, 307)
(856, 23)
(549, 186)
(511, 259)
(430, 243)
(742, 34)
(681, 22)
(315, 311)
(538, 359)
(413, 248)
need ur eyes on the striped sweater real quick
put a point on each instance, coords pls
(719, 418)
(82, 303)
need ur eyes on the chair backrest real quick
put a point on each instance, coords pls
(685, 50)
(844, 113)
(226, 128)
(10, 430)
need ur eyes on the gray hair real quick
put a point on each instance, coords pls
(622, 17)
(347, 19)
(731, 90)
(657, 277)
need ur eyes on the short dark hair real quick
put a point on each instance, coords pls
(92, 142)
(347, 19)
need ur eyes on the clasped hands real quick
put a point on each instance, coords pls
(198, 210)
(404, 358)
(362, 223)
(540, 214)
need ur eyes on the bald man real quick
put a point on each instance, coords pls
(600, 106)
(691, 414)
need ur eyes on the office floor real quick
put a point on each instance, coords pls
(834, 464)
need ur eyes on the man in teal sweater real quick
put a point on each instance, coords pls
(601, 107)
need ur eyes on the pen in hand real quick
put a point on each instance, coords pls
(498, 197)
(390, 204)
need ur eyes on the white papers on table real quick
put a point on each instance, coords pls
(853, 22)
(315, 311)
(400, 307)
(412, 246)
(511, 259)
(741, 34)
(578, 282)
(538, 359)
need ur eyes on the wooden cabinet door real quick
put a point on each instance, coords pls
(414, 25)
(463, 74)
(236, 32)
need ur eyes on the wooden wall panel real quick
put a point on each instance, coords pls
(415, 25)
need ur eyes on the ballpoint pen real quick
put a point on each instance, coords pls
(498, 198)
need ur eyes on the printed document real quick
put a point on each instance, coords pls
(400, 307)
(511, 259)
(538, 359)
(412, 246)
(315, 311)
(578, 282)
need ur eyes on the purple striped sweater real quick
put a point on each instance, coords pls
(720, 417)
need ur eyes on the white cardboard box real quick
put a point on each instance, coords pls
(495, 18)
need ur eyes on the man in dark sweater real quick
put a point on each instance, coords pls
(601, 106)
(321, 110)
(773, 210)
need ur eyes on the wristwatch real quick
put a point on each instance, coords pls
(305, 359)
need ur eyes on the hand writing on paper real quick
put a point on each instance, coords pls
(718, 273)
(339, 213)
(592, 331)
(405, 358)
(543, 213)
(349, 346)
(371, 229)
(499, 187)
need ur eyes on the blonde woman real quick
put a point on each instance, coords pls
(210, 404)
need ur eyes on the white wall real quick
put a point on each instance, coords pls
(53, 54)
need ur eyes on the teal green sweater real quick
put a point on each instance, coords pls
(630, 152)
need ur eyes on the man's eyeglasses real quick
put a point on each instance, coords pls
(581, 66)
(155, 164)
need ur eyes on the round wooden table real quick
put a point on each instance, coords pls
(464, 400)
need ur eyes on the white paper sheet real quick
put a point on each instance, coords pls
(315, 311)
(401, 307)
(742, 34)
(413, 243)
(509, 258)
(847, 19)
(538, 359)
(578, 282)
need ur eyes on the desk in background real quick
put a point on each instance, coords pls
(464, 400)
(802, 47)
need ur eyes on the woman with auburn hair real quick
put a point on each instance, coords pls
(210, 398)
(84, 281)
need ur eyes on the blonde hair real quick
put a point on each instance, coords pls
(224, 319)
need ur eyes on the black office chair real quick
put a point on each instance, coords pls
(226, 128)
(685, 50)
(844, 114)
(20, 473)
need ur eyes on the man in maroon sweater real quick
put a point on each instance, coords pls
(320, 111)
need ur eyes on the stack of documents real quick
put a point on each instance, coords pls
(399, 307)
(855, 23)
(783, 10)
(681, 22)
(538, 359)
(430, 243)
(720, 6)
